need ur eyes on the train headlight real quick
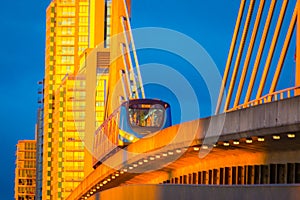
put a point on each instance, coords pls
(131, 138)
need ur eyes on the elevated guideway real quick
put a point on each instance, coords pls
(196, 192)
(253, 142)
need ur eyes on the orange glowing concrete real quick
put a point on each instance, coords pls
(263, 120)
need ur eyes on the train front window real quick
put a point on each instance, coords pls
(146, 115)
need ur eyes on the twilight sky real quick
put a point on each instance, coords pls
(22, 64)
(210, 23)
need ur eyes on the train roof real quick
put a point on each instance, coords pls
(145, 101)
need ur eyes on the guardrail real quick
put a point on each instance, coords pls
(275, 96)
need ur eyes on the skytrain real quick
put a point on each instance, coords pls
(133, 120)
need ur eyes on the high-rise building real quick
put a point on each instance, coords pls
(68, 129)
(25, 173)
(39, 141)
(72, 26)
(66, 38)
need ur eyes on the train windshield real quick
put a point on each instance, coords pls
(146, 115)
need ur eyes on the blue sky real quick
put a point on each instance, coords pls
(22, 65)
(206, 22)
(210, 23)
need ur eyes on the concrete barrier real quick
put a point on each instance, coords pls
(197, 192)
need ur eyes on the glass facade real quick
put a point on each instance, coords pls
(68, 29)
(101, 88)
(25, 173)
(68, 126)
(66, 39)
(39, 142)
(107, 25)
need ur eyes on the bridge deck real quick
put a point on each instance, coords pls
(194, 192)
(280, 118)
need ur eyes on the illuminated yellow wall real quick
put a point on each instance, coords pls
(66, 38)
(94, 66)
(48, 100)
(68, 135)
(71, 26)
(96, 17)
(25, 173)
